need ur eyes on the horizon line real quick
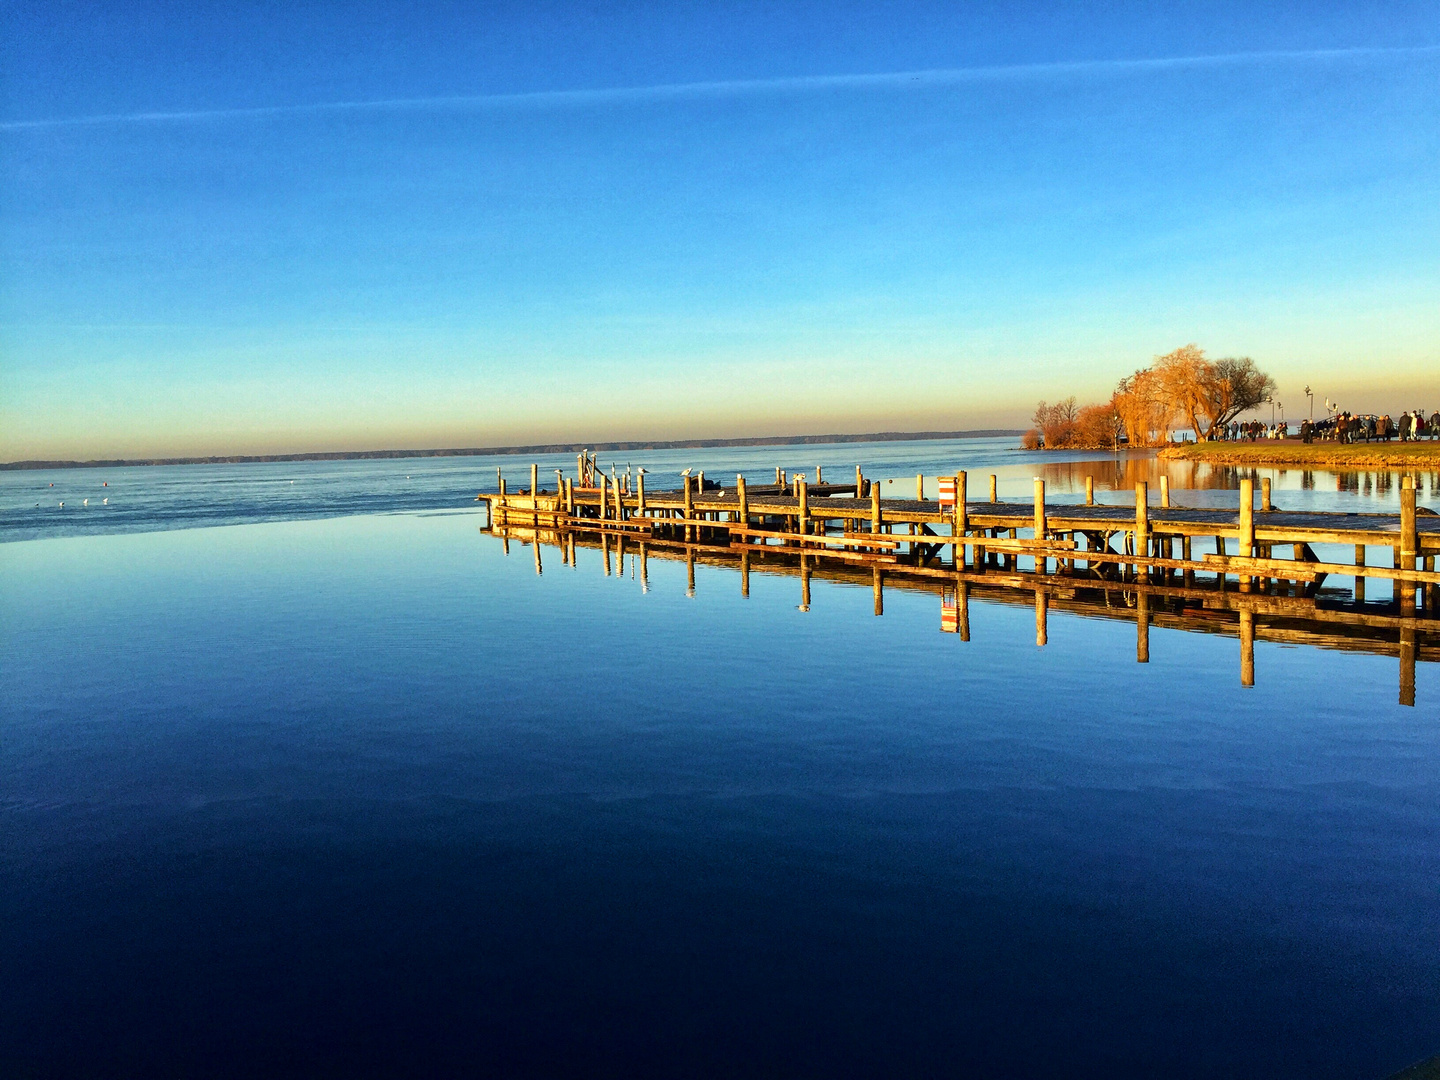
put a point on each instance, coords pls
(928, 77)
(610, 446)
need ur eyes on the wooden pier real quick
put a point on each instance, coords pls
(1253, 571)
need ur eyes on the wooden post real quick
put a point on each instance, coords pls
(539, 570)
(644, 568)
(878, 585)
(605, 549)
(1089, 491)
(700, 484)
(534, 480)
(1142, 627)
(745, 573)
(1042, 613)
(1185, 554)
(603, 482)
(1042, 564)
(1165, 492)
(919, 487)
(962, 609)
(640, 494)
(778, 481)
(619, 505)
(992, 488)
(744, 501)
(1247, 527)
(689, 510)
(818, 479)
(1265, 494)
(962, 519)
(859, 483)
(1359, 580)
(1142, 524)
(804, 582)
(1247, 648)
(803, 495)
(689, 570)
(875, 516)
(1409, 542)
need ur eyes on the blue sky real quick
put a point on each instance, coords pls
(250, 228)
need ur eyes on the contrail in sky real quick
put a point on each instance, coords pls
(936, 77)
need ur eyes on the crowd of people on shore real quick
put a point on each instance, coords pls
(1343, 427)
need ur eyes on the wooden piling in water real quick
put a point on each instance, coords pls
(1164, 491)
(1142, 523)
(1247, 527)
(859, 483)
(689, 511)
(534, 480)
(1042, 618)
(1089, 491)
(803, 511)
(743, 499)
(875, 512)
(992, 488)
(1408, 545)
(878, 586)
(962, 609)
(962, 518)
(1040, 528)
(1265, 494)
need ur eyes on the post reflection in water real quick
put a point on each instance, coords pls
(1246, 616)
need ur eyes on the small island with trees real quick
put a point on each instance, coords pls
(1186, 389)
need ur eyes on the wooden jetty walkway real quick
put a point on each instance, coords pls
(1252, 563)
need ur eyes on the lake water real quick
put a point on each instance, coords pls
(302, 775)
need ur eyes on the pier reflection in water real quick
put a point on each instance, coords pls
(1328, 618)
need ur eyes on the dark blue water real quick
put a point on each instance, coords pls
(363, 796)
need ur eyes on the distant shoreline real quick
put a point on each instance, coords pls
(503, 451)
(1321, 454)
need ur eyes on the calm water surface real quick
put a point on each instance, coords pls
(302, 794)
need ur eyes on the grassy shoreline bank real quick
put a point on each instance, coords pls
(1393, 455)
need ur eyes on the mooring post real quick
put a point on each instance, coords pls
(992, 488)
(744, 501)
(1247, 648)
(875, 518)
(1142, 526)
(1042, 562)
(1247, 528)
(818, 478)
(689, 511)
(1089, 491)
(1265, 494)
(1359, 579)
(1164, 491)
(919, 487)
(802, 493)
(962, 520)
(1142, 627)
(1409, 542)
(534, 480)
(619, 503)
(1185, 554)
(603, 482)
(640, 493)
(859, 483)
(1042, 616)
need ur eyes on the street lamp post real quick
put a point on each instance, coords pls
(1311, 395)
